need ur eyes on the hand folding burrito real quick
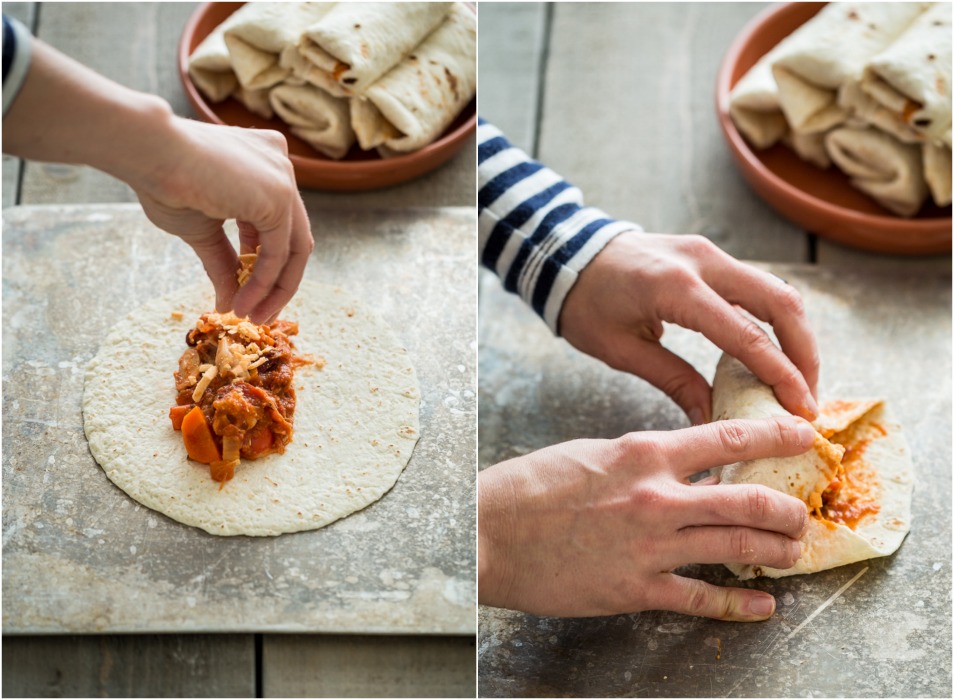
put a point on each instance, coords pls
(911, 78)
(828, 50)
(356, 43)
(880, 166)
(856, 481)
(417, 100)
(257, 33)
(316, 117)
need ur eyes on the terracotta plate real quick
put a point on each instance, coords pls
(822, 201)
(359, 170)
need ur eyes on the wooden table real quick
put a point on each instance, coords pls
(619, 99)
(135, 44)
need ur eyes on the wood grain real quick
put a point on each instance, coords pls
(360, 666)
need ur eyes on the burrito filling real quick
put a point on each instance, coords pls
(852, 493)
(235, 395)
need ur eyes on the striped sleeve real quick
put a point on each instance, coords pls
(535, 232)
(16, 59)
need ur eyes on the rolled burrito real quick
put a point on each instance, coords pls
(357, 43)
(830, 49)
(417, 100)
(856, 481)
(754, 106)
(316, 117)
(937, 171)
(868, 112)
(210, 67)
(306, 71)
(911, 78)
(255, 101)
(257, 33)
(885, 169)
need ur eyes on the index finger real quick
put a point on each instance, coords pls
(692, 450)
(740, 336)
(771, 299)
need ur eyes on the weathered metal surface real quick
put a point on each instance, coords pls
(879, 628)
(81, 556)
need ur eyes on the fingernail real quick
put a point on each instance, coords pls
(796, 549)
(762, 606)
(805, 433)
(811, 408)
(696, 416)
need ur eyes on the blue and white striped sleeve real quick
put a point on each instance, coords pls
(535, 232)
(16, 59)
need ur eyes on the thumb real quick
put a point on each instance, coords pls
(220, 262)
(694, 597)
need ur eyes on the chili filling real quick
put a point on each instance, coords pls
(852, 494)
(235, 397)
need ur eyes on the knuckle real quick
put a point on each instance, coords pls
(757, 503)
(740, 545)
(734, 436)
(751, 336)
(697, 245)
(791, 301)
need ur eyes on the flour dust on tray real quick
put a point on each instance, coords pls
(354, 402)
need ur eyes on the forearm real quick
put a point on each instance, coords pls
(67, 113)
(535, 232)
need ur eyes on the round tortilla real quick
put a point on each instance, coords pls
(356, 418)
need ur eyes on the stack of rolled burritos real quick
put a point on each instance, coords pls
(866, 87)
(390, 77)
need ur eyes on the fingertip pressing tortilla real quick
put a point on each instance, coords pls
(356, 419)
(856, 481)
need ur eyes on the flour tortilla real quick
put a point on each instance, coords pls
(422, 95)
(880, 166)
(885, 463)
(356, 420)
(911, 78)
(259, 31)
(830, 49)
(937, 171)
(315, 117)
(210, 67)
(357, 43)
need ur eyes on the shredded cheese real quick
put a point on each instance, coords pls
(203, 384)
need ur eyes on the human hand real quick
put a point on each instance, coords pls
(213, 173)
(616, 309)
(189, 176)
(595, 527)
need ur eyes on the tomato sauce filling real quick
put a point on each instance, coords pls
(852, 495)
(235, 397)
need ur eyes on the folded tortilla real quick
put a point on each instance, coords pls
(417, 100)
(257, 33)
(882, 167)
(357, 43)
(255, 101)
(937, 172)
(808, 147)
(210, 67)
(316, 117)
(829, 50)
(753, 104)
(304, 70)
(856, 481)
(911, 77)
(866, 111)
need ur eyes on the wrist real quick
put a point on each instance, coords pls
(495, 573)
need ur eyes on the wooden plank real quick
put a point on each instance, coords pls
(26, 13)
(131, 43)
(129, 666)
(629, 117)
(343, 666)
(512, 42)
